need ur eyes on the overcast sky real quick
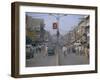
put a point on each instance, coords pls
(66, 23)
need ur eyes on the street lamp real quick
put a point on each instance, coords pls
(57, 16)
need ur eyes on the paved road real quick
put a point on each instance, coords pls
(42, 60)
(72, 59)
(45, 60)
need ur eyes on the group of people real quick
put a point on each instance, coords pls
(41, 49)
(76, 50)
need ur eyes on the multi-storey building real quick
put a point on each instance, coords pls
(35, 29)
(78, 38)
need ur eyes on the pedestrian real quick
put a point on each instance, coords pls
(79, 49)
(64, 50)
(46, 50)
(86, 52)
(76, 48)
(39, 48)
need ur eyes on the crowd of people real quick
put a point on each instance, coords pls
(76, 50)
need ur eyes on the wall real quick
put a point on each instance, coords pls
(5, 40)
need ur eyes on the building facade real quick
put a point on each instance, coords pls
(35, 30)
(77, 40)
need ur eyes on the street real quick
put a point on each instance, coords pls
(41, 60)
(57, 42)
(57, 59)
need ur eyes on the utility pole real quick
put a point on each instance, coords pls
(58, 16)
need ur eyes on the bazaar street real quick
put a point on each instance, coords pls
(57, 39)
(45, 60)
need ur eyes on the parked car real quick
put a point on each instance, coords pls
(51, 51)
(29, 51)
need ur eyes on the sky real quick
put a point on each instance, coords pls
(66, 22)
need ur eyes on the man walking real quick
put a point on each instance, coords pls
(64, 50)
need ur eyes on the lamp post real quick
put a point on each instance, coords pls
(57, 16)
